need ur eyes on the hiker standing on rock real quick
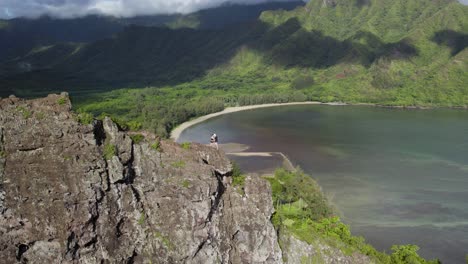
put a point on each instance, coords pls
(214, 140)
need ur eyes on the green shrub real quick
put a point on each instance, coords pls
(290, 187)
(61, 101)
(239, 181)
(238, 178)
(156, 145)
(408, 254)
(120, 122)
(236, 170)
(110, 151)
(134, 125)
(137, 138)
(2, 154)
(186, 145)
(84, 118)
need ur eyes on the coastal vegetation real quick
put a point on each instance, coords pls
(302, 210)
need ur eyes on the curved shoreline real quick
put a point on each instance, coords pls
(175, 134)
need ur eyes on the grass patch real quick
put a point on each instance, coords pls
(61, 101)
(186, 184)
(186, 145)
(137, 138)
(84, 118)
(238, 178)
(40, 115)
(24, 112)
(238, 181)
(178, 164)
(110, 151)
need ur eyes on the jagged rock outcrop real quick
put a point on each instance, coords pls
(74, 193)
(251, 239)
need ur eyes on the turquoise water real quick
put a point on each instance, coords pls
(396, 176)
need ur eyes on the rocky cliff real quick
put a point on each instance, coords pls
(75, 193)
(88, 193)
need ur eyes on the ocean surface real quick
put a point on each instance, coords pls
(396, 176)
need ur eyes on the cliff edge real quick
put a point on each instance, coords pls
(77, 193)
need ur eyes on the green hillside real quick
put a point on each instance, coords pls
(390, 52)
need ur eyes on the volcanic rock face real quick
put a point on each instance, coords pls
(64, 199)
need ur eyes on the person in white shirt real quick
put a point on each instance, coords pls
(214, 141)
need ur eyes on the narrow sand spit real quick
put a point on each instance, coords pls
(175, 134)
(251, 154)
(287, 164)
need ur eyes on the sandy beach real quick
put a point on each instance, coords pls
(178, 130)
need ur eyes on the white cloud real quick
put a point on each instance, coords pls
(123, 8)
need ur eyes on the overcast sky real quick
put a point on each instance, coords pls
(75, 8)
(126, 8)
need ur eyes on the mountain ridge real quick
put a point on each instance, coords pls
(284, 53)
(19, 35)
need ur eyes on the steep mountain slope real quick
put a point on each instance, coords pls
(228, 15)
(19, 36)
(408, 44)
(138, 56)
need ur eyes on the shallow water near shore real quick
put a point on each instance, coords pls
(396, 176)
